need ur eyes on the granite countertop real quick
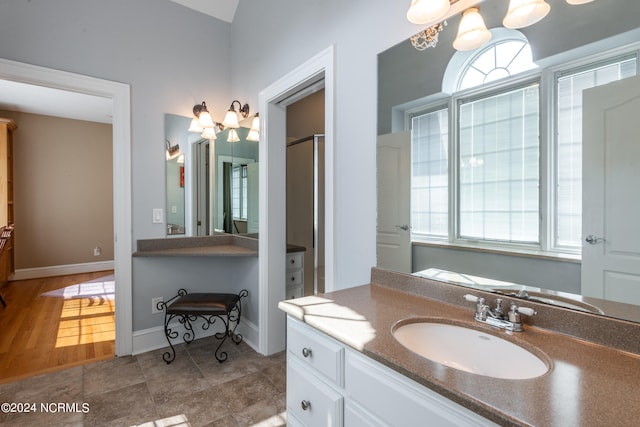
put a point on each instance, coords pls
(589, 384)
(203, 246)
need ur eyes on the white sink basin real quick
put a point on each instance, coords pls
(470, 350)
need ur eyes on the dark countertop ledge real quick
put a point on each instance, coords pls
(202, 246)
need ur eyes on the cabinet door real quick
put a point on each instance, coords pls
(311, 401)
(397, 401)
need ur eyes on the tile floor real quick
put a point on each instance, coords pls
(194, 390)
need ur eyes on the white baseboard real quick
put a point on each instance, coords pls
(61, 270)
(153, 338)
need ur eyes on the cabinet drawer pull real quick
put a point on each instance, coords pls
(305, 405)
(306, 352)
(293, 278)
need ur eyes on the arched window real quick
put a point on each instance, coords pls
(500, 60)
(507, 54)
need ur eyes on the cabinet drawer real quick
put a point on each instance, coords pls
(315, 350)
(295, 260)
(294, 278)
(310, 400)
(296, 291)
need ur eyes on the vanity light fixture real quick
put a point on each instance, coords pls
(576, 2)
(522, 13)
(254, 132)
(233, 136)
(231, 118)
(423, 11)
(472, 32)
(173, 151)
(209, 133)
(203, 115)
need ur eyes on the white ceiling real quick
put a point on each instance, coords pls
(221, 9)
(25, 98)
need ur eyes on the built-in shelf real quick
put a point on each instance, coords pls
(203, 246)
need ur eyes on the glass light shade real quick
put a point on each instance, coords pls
(472, 32)
(233, 136)
(209, 133)
(425, 11)
(231, 120)
(522, 13)
(205, 120)
(579, 1)
(195, 127)
(253, 135)
(180, 159)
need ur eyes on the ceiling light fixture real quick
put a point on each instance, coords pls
(231, 118)
(522, 13)
(427, 38)
(576, 2)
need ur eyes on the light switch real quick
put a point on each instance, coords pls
(158, 216)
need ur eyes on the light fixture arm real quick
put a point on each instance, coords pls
(242, 109)
(198, 108)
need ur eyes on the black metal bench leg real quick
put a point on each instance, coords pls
(4, 303)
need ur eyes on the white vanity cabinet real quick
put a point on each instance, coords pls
(330, 384)
(295, 275)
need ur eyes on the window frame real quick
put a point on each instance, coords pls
(547, 77)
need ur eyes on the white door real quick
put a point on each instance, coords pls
(393, 239)
(611, 195)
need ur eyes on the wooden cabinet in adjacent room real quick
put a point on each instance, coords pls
(7, 126)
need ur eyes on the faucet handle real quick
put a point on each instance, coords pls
(471, 298)
(524, 310)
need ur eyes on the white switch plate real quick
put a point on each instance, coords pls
(158, 216)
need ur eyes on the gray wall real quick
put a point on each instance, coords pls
(523, 270)
(277, 36)
(162, 277)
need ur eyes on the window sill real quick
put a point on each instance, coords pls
(511, 251)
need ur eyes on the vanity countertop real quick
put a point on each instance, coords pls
(588, 384)
(202, 246)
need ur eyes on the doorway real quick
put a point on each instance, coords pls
(119, 94)
(272, 217)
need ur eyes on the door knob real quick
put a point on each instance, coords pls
(404, 227)
(592, 240)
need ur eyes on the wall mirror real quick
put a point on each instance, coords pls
(412, 84)
(212, 185)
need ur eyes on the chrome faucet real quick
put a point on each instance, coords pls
(511, 321)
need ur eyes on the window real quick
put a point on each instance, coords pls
(239, 192)
(430, 174)
(570, 84)
(482, 182)
(498, 166)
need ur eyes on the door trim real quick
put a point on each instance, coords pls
(272, 217)
(119, 93)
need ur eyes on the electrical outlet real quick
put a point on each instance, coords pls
(154, 305)
(97, 251)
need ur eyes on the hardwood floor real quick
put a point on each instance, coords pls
(55, 323)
